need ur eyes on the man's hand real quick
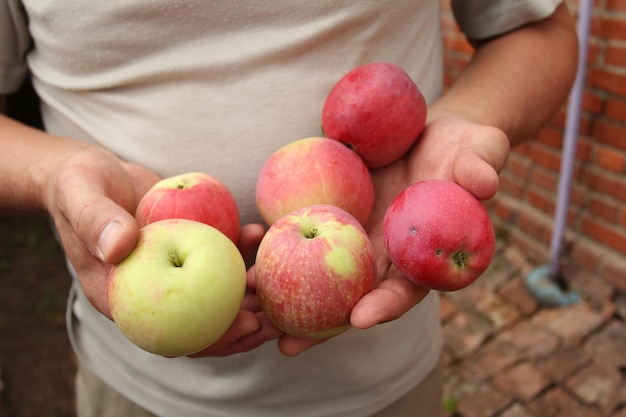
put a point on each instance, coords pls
(451, 149)
(91, 196)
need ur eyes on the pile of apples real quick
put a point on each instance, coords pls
(182, 286)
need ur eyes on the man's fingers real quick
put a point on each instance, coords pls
(104, 226)
(394, 296)
(478, 164)
(248, 331)
(244, 324)
(292, 345)
(249, 240)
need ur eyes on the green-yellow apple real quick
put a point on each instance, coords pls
(439, 235)
(377, 110)
(179, 290)
(313, 171)
(193, 196)
(312, 267)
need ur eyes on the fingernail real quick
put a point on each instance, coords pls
(107, 238)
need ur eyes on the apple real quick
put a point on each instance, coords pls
(193, 196)
(377, 110)
(179, 290)
(311, 171)
(439, 235)
(312, 267)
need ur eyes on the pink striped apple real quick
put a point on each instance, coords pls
(312, 267)
(313, 171)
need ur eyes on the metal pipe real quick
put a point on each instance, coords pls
(570, 141)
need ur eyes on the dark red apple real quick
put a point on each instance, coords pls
(439, 235)
(377, 110)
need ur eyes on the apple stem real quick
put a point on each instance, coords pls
(460, 258)
(312, 233)
(174, 258)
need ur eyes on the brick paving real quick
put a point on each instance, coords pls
(508, 356)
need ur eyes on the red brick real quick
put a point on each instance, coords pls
(572, 323)
(613, 272)
(592, 102)
(464, 334)
(615, 55)
(609, 27)
(583, 149)
(515, 292)
(611, 159)
(567, 361)
(586, 254)
(597, 181)
(551, 136)
(510, 185)
(458, 44)
(596, 385)
(482, 401)
(607, 80)
(531, 340)
(604, 208)
(516, 410)
(534, 249)
(523, 149)
(545, 179)
(559, 403)
(604, 233)
(607, 344)
(610, 133)
(616, 5)
(541, 201)
(533, 226)
(518, 166)
(546, 157)
(504, 210)
(578, 193)
(616, 109)
(524, 381)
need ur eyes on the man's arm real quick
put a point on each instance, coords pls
(516, 82)
(91, 195)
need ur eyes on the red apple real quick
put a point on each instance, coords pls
(377, 110)
(312, 267)
(314, 171)
(439, 235)
(192, 196)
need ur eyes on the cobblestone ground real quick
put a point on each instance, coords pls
(508, 356)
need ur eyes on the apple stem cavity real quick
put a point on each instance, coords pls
(174, 258)
(460, 259)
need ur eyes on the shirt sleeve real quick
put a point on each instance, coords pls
(480, 19)
(15, 42)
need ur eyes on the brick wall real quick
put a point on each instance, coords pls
(523, 210)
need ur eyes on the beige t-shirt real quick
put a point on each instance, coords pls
(217, 86)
